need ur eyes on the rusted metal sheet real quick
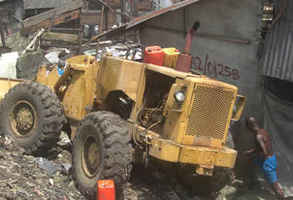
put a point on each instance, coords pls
(114, 3)
(143, 5)
(51, 36)
(39, 4)
(93, 17)
(51, 39)
(157, 13)
(111, 32)
(53, 17)
(278, 53)
(104, 3)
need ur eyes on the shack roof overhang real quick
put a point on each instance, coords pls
(154, 14)
(142, 19)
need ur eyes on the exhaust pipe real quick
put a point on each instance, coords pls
(184, 60)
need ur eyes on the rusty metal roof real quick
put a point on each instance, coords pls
(38, 4)
(278, 53)
(157, 13)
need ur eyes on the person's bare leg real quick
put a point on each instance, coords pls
(278, 190)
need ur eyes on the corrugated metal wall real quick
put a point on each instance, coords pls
(278, 52)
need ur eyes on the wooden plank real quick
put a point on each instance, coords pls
(89, 17)
(65, 37)
(53, 17)
(106, 5)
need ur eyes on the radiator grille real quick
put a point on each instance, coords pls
(210, 110)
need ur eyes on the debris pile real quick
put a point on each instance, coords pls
(26, 177)
(47, 31)
(48, 176)
(126, 50)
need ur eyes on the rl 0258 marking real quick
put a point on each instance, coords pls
(213, 69)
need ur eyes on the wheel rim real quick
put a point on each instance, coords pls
(23, 118)
(91, 157)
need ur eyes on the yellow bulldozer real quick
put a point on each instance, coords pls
(116, 108)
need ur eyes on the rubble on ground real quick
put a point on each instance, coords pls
(48, 176)
(127, 50)
(18, 42)
(27, 177)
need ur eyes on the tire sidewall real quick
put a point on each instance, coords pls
(17, 95)
(115, 153)
(78, 150)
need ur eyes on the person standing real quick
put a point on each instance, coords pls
(264, 156)
(3, 31)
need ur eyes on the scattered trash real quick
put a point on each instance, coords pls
(47, 165)
(64, 139)
(7, 140)
(21, 177)
(8, 65)
(51, 181)
(53, 55)
(128, 50)
(66, 168)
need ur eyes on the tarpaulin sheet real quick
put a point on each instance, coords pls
(278, 121)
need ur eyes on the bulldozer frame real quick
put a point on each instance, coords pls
(172, 116)
(85, 87)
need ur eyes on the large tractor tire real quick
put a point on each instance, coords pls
(101, 150)
(32, 116)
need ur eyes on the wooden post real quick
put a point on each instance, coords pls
(122, 7)
(106, 18)
(80, 33)
(2, 36)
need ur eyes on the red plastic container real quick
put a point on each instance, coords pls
(106, 190)
(154, 55)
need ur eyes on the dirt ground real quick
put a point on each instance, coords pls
(24, 177)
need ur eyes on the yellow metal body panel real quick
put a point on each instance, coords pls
(241, 100)
(6, 84)
(171, 72)
(80, 93)
(76, 88)
(203, 146)
(74, 97)
(206, 157)
(176, 115)
(209, 113)
(209, 116)
(48, 78)
(119, 74)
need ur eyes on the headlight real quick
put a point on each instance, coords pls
(179, 97)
